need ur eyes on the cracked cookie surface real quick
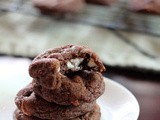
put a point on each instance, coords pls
(71, 71)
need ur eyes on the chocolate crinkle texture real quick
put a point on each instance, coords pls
(71, 71)
(145, 6)
(66, 82)
(33, 105)
(74, 91)
(92, 115)
(59, 6)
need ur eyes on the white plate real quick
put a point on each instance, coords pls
(117, 103)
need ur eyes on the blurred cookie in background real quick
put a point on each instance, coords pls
(59, 6)
(145, 6)
(101, 2)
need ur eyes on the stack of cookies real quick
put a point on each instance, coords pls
(66, 83)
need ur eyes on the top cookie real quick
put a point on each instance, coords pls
(55, 64)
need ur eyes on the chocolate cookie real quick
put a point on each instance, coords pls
(147, 6)
(59, 6)
(71, 71)
(92, 115)
(101, 2)
(33, 105)
(51, 67)
(95, 114)
(83, 87)
(18, 115)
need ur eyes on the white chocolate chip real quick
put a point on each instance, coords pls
(73, 64)
(70, 65)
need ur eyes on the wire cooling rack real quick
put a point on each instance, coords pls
(117, 16)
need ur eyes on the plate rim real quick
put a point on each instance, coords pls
(120, 86)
